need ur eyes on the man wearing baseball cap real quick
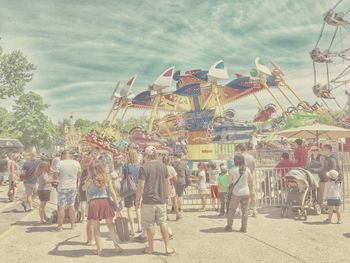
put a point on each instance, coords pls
(153, 186)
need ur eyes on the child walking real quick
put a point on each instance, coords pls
(44, 189)
(223, 182)
(333, 196)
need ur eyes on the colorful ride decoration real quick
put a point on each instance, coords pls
(193, 116)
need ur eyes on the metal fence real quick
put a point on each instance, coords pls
(268, 186)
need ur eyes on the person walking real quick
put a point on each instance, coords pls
(201, 181)
(329, 162)
(223, 183)
(153, 187)
(44, 189)
(4, 171)
(131, 169)
(183, 174)
(251, 164)
(241, 184)
(213, 173)
(29, 170)
(13, 175)
(100, 193)
(172, 181)
(85, 163)
(333, 196)
(69, 172)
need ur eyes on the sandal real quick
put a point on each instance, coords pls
(146, 251)
(118, 248)
(168, 253)
(98, 252)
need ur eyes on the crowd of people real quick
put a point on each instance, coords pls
(152, 186)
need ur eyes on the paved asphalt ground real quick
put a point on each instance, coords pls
(199, 237)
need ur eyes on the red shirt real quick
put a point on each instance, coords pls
(300, 156)
(284, 166)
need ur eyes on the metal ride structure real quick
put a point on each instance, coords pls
(121, 98)
(195, 110)
(331, 55)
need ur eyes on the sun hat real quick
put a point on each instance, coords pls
(333, 174)
(150, 150)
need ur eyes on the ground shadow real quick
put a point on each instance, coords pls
(347, 235)
(40, 229)
(214, 230)
(4, 200)
(15, 211)
(211, 216)
(318, 223)
(108, 252)
(272, 213)
(27, 223)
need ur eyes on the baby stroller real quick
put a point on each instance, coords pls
(300, 194)
(54, 214)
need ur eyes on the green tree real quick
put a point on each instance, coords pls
(15, 72)
(87, 125)
(34, 127)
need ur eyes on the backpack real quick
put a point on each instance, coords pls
(127, 185)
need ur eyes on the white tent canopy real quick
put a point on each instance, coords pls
(316, 131)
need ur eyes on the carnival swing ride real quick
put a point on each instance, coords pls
(192, 117)
(331, 61)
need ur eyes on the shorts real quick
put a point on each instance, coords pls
(66, 197)
(30, 189)
(44, 195)
(333, 202)
(179, 189)
(202, 191)
(129, 201)
(153, 213)
(214, 190)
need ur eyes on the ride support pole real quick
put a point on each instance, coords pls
(154, 112)
(273, 96)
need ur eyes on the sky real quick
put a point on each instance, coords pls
(82, 48)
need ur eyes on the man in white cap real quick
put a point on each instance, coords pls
(153, 186)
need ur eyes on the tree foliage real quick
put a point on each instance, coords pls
(15, 72)
(34, 127)
(87, 125)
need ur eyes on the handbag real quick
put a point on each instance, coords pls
(127, 185)
(122, 228)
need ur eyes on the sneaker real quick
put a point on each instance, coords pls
(255, 214)
(327, 221)
(339, 222)
(228, 228)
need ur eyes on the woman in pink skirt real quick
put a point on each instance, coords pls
(99, 190)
